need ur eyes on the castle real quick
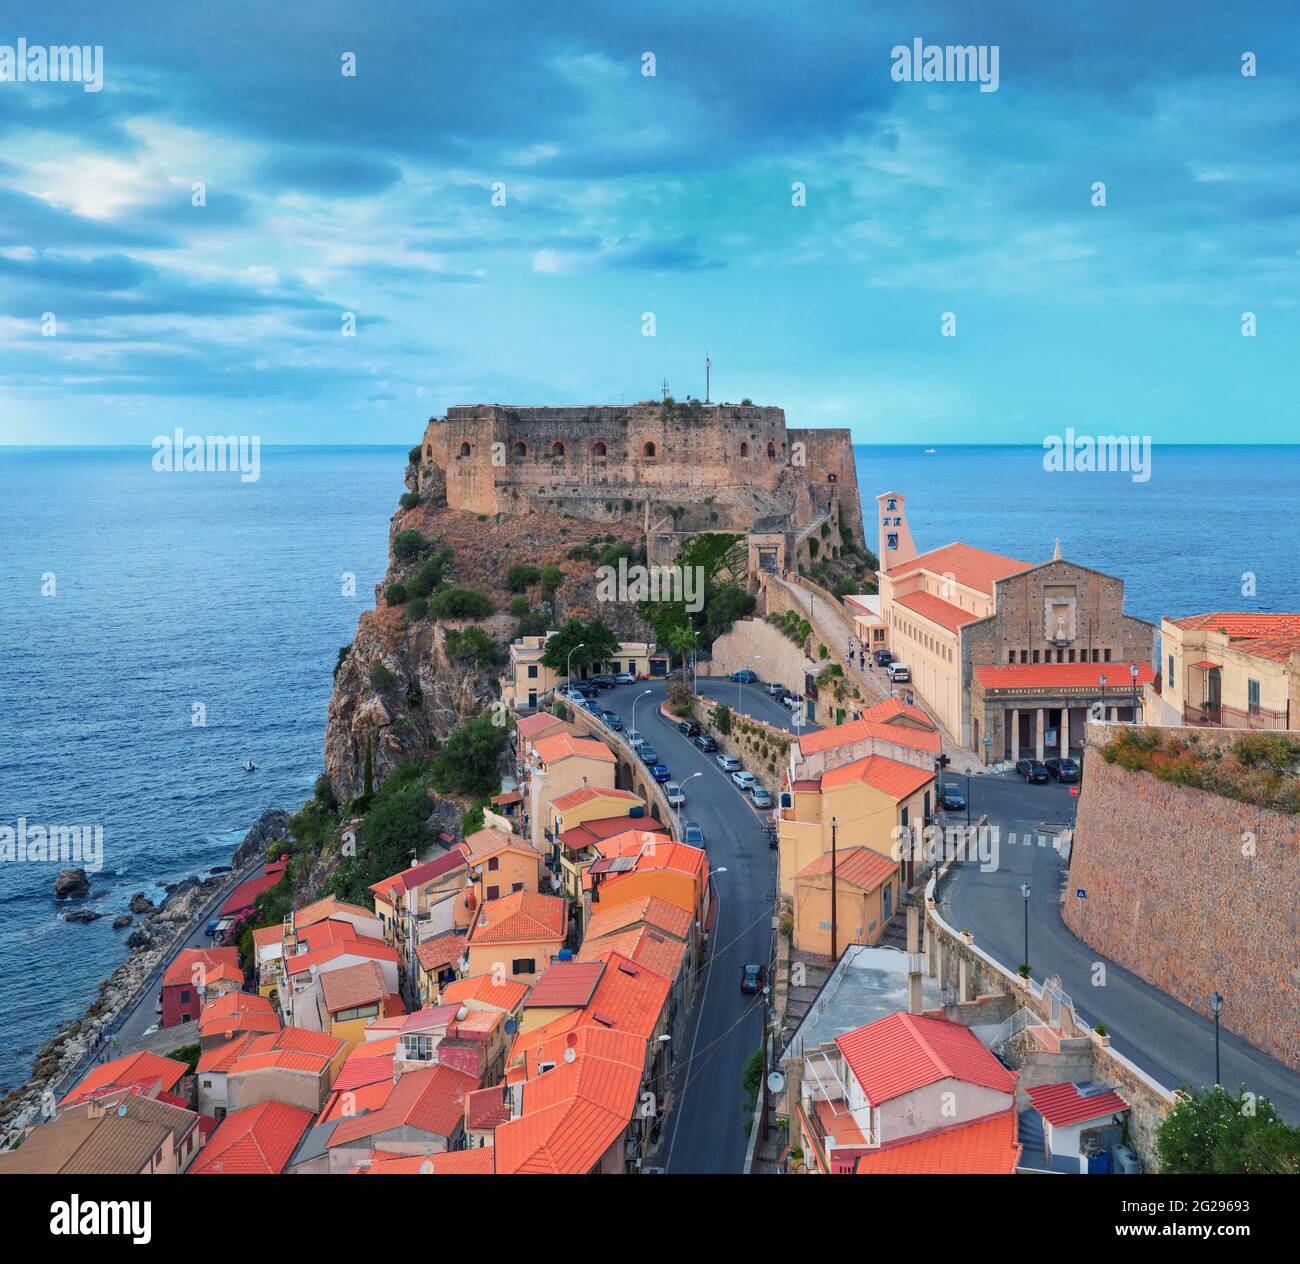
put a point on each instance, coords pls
(676, 468)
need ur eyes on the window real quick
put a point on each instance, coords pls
(523, 965)
(417, 1048)
(493, 893)
(771, 451)
(1171, 671)
(532, 671)
(891, 504)
(648, 450)
(891, 540)
(1035, 657)
(185, 996)
(557, 448)
(516, 886)
(521, 449)
(1252, 696)
(465, 449)
(599, 449)
(744, 449)
(1105, 656)
(494, 863)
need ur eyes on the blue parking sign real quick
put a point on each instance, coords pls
(1080, 894)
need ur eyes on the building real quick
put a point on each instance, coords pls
(148, 1074)
(867, 890)
(354, 997)
(236, 1013)
(256, 1141)
(500, 863)
(560, 765)
(196, 975)
(1008, 655)
(439, 960)
(424, 902)
(301, 1002)
(868, 627)
(1070, 1117)
(639, 864)
(293, 1066)
(1237, 670)
(517, 936)
(529, 681)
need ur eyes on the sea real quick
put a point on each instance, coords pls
(160, 629)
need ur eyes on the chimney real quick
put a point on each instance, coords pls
(913, 959)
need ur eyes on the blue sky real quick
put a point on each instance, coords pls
(668, 194)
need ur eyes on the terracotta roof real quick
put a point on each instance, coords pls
(987, 1146)
(359, 1099)
(136, 1068)
(864, 868)
(643, 944)
(505, 800)
(78, 1143)
(268, 936)
(970, 567)
(476, 1162)
(1241, 623)
(629, 998)
(440, 951)
(861, 730)
(352, 986)
(1206, 665)
(937, 611)
(903, 1052)
(888, 776)
(1277, 648)
(243, 896)
(290, 1049)
(888, 709)
(586, 794)
(330, 906)
(431, 1100)
(218, 965)
(1063, 676)
(219, 1060)
(531, 727)
(363, 947)
(650, 909)
(491, 842)
(357, 1072)
(329, 930)
(1063, 1104)
(238, 1011)
(486, 1108)
(487, 989)
(565, 984)
(562, 746)
(417, 875)
(257, 1140)
(590, 833)
(523, 917)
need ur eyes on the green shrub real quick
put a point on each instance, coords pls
(381, 679)
(460, 603)
(522, 576)
(470, 759)
(409, 500)
(472, 646)
(416, 609)
(409, 544)
(415, 456)
(395, 594)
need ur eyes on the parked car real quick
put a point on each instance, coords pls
(951, 797)
(611, 718)
(676, 796)
(794, 701)
(882, 658)
(660, 773)
(752, 978)
(624, 678)
(744, 676)
(689, 727)
(1062, 769)
(694, 836)
(594, 707)
(587, 689)
(783, 695)
(634, 739)
(649, 756)
(211, 928)
(728, 763)
(706, 744)
(898, 673)
(572, 695)
(760, 797)
(679, 673)
(742, 780)
(1033, 770)
(603, 681)
(773, 688)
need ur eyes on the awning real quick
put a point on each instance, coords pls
(1206, 665)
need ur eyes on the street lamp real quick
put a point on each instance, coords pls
(1216, 1004)
(1133, 671)
(1024, 891)
(682, 786)
(635, 700)
(568, 663)
(1102, 681)
(968, 798)
(695, 662)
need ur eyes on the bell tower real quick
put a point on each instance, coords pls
(894, 545)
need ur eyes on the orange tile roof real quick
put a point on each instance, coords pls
(1062, 676)
(565, 985)
(330, 906)
(258, 1140)
(268, 936)
(888, 776)
(1241, 623)
(291, 1049)
(859, 730)
(1063, 1104)
(562, 746)
(135, 1068)
(643, 944)
(487, 989)
(523, 917)
(238, 1011)
(650, 909)
(367, 1068)
(888, 709)
(485, 843)
(864, 868)
(970, 567)
(476, 1162)
(218, 965)
(1277, 648)
(586, 794)
(440, 951)
(329, 930)
(583, 1038)
(530, 727)
(352, 986)
(219, 1060)
(363, 947)
(417, 875)
(352, 1099)
(629, 997)
(987, 1146)
(903, 1052)
(937, 611)
(431, 1100)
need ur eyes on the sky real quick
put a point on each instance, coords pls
(501, 193)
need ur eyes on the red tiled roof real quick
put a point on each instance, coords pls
(218, 964)
(585, 794)
(258, 1140)
(291, 1049)
(431, 1100)
(970, 567)
(328, 906)
(643, 944)
(220, 1059)
(136, 1068)
(565, 984)
(488, 989)
(1277, 648)
(888, 709)
(1241, 623)
(937, 611)
(1207, 665)
(592, 833)
(440, 951)
(485, 843)
(329, 930)
(417, 875)
(476, 1162)
(532, 726)
(859, 730)
(563, 746)
(1062, 676)
(987, 1146)
(888, 776)
(363, 947)
(486, 1108)
(650, 909)
(246, 892)
(903, 1052)
(523, 917)
(352, 986)
(238, 1011)
(1062, 1104)
(357, 1072)
(864, 868)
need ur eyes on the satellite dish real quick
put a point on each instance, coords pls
(570, 1054)
(776, 1082)
(462, 1014)
(511, 1027)
(121, 1111)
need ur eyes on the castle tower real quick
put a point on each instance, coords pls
(894, 540)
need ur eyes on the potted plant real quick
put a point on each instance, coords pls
(967, 937)
(1024, 970)
(1103, 1036)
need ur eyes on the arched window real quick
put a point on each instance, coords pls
(464, 449)
(557, 448)
(598, 449)
(648, 450)
(744, 449)
(771, 451)
(521, 449)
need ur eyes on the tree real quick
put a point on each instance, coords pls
(470, 759)
(591, 643)
(552, 577)
(472, 646)
(396, 594)
(722, 718)
(408, 544)
(460, 603)
(1218, 1131)
(522, 576)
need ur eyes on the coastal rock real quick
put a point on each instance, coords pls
(121, 921)
(82, 915)
(271, 827)
(141, 903)
(139, 938)
(71, 884)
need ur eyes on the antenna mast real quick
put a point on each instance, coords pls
(708, 374)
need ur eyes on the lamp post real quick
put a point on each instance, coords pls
(568, 663)
(1216, 1004)
(1133, 671)
(635, 700)
(835, 956)
(1024, 891)
(968, 798)
(682, 787)
(695, 663)
(1102, 681)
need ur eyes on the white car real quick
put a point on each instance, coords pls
(573, 695)
(743, 780)
(624, 678)
(634, 739)
(676, 796)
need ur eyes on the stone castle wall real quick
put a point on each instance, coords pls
(1172, 897)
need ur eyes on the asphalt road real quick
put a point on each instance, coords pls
(1169, 1041)
(704, 1131)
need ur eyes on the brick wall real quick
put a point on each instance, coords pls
(1172, 897)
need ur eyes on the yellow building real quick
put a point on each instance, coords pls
(561, 764)
(1236, 670)
(352, 998)
(501, 863)
(867, 888)
(528, 680)
(517, 936)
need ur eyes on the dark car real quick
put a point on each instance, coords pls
(1063, 769)
(694, 835)
(951, 798)
(660, 773)
(649, 756)
(604, 682)
(1033, 770)
(882, 658)
(689, 727)
(586, 688)
(752, 978)
(705, 743)
(744, 676)
(612, 720)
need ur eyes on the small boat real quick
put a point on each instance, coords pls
(250, 766)
(929, 451)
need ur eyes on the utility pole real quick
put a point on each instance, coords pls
(708, 376)
(663, 386)
(835, 955)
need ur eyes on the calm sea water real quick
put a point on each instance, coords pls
(176, 590)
